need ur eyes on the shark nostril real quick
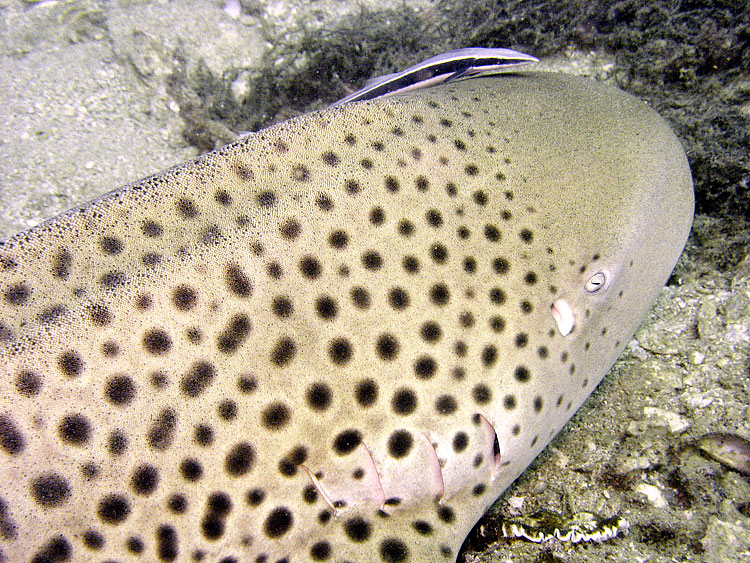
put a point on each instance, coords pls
(563, 315)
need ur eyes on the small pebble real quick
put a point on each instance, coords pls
(728, 449)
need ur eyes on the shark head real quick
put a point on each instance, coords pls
(339, 339)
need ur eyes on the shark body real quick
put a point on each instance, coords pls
(339, 339)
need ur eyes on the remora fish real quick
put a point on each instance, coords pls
(440, 68)
(339, 339)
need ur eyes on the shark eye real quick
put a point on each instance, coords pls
(597, 283)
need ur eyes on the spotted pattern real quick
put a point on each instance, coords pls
(231, 356)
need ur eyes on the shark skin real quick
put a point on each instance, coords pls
(339, 339)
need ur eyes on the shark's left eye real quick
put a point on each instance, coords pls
(597, 283)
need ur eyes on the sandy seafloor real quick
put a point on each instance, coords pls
(97, 94)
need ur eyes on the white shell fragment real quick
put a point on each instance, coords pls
(580, 527)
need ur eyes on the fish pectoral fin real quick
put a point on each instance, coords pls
(459, 74)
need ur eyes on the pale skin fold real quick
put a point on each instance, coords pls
(333, 340)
